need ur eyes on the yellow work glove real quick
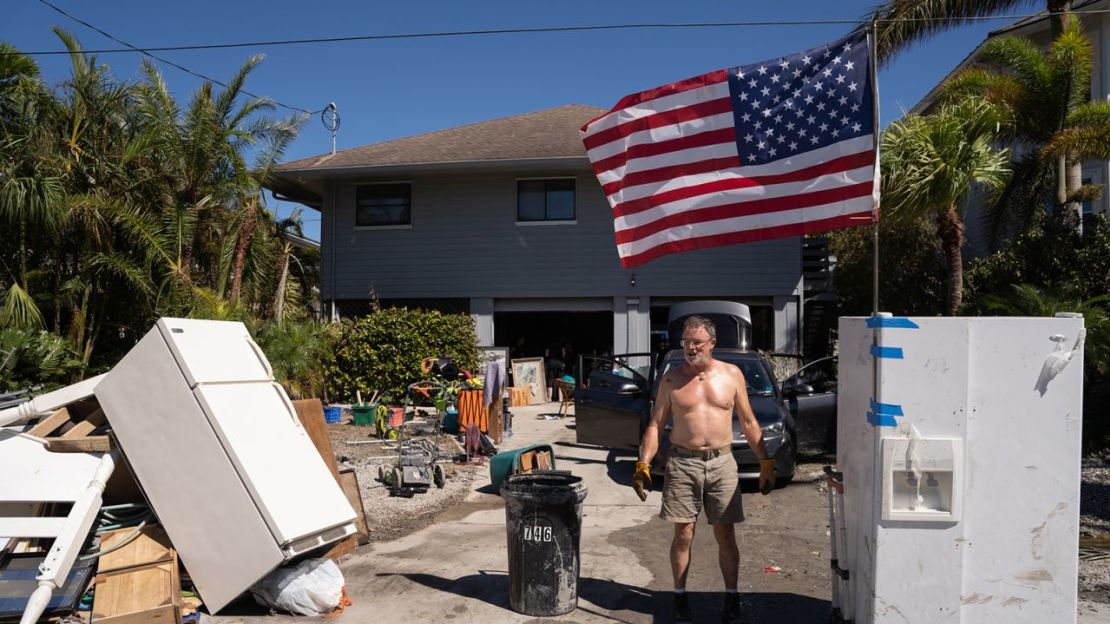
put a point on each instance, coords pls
(641, 480)
(766, 476)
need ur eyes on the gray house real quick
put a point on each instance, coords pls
(504, 219)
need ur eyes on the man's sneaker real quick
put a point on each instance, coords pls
(731, 613)
(681, 609)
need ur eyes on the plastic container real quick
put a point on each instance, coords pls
(396, 417)
(333, 415)
(451, 421)
(364, 413)
(507, 462)
(543, 518)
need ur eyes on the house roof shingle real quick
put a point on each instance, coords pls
(551, 133)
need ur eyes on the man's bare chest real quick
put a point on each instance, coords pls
(694, 394)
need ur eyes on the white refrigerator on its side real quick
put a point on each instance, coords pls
(220, 453)
(959, 445)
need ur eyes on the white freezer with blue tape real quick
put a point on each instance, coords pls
(959, 446)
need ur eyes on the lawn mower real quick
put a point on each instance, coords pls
(417, 466)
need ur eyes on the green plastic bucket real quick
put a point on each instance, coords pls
(364, 413)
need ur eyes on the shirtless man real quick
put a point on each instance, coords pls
(700, 396)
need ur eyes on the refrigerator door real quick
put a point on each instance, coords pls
(276, 459)
(214, 351)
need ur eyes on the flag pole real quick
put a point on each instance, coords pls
(873, 53)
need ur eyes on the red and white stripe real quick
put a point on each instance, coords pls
(667, 161)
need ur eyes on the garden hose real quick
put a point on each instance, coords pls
(115, 517)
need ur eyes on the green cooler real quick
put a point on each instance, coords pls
(509, 462)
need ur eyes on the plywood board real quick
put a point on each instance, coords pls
(348, 481)
(311, 414)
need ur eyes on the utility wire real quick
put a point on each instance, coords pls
(145, 51)
(507, 31)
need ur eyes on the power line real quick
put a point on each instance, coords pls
(509, 31)
(146, 51)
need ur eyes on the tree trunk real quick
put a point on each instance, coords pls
(950, 230)
(1059, 10)
(279, 294)
(1061, 182)
(1073, 210)
(246, 231)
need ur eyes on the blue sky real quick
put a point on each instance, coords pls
(390, 89)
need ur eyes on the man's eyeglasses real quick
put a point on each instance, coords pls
(697, 344)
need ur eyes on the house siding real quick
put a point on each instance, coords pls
(464, 241)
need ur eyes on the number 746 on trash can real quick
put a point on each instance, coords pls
(536, 533)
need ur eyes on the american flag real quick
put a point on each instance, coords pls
(779, 148)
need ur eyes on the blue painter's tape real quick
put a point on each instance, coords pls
(899, 322)
(881, 420)
(886, 409)
(893, 353)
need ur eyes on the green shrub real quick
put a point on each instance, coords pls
(382, 351)
(299, 352)
(912, 271)
(31, 357)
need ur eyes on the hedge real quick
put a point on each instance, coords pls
(382, 351)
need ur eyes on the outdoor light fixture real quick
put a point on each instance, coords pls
(632, 280)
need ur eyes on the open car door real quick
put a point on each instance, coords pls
(810, 395)
(612, 399)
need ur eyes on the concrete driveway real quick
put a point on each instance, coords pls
(455, 570)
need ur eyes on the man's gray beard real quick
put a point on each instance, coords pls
(700, 358)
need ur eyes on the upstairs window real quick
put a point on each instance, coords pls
(383, 204)
(545, 200)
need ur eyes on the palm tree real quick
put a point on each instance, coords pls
(277, 136)
(901, 23)
(930, 164)
(31, 197)
(1048, 97)
(286, 292)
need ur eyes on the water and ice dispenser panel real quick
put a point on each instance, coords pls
(922, 479)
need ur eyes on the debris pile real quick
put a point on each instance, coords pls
(183, 476)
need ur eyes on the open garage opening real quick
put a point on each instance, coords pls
(532, 334)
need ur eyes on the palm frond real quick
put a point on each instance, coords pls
(902, 23)
(1021, 57)
(1026, 195)
(226, 99)
(931, 162)
(1070, 60)
(1087, 142)
(135, 276)
(33, 198)
(19, 309)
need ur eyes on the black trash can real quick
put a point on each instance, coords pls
(543, 517)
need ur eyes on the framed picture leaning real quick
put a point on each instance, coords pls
(529, 372)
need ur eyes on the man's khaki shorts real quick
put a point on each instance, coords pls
(692, 482)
